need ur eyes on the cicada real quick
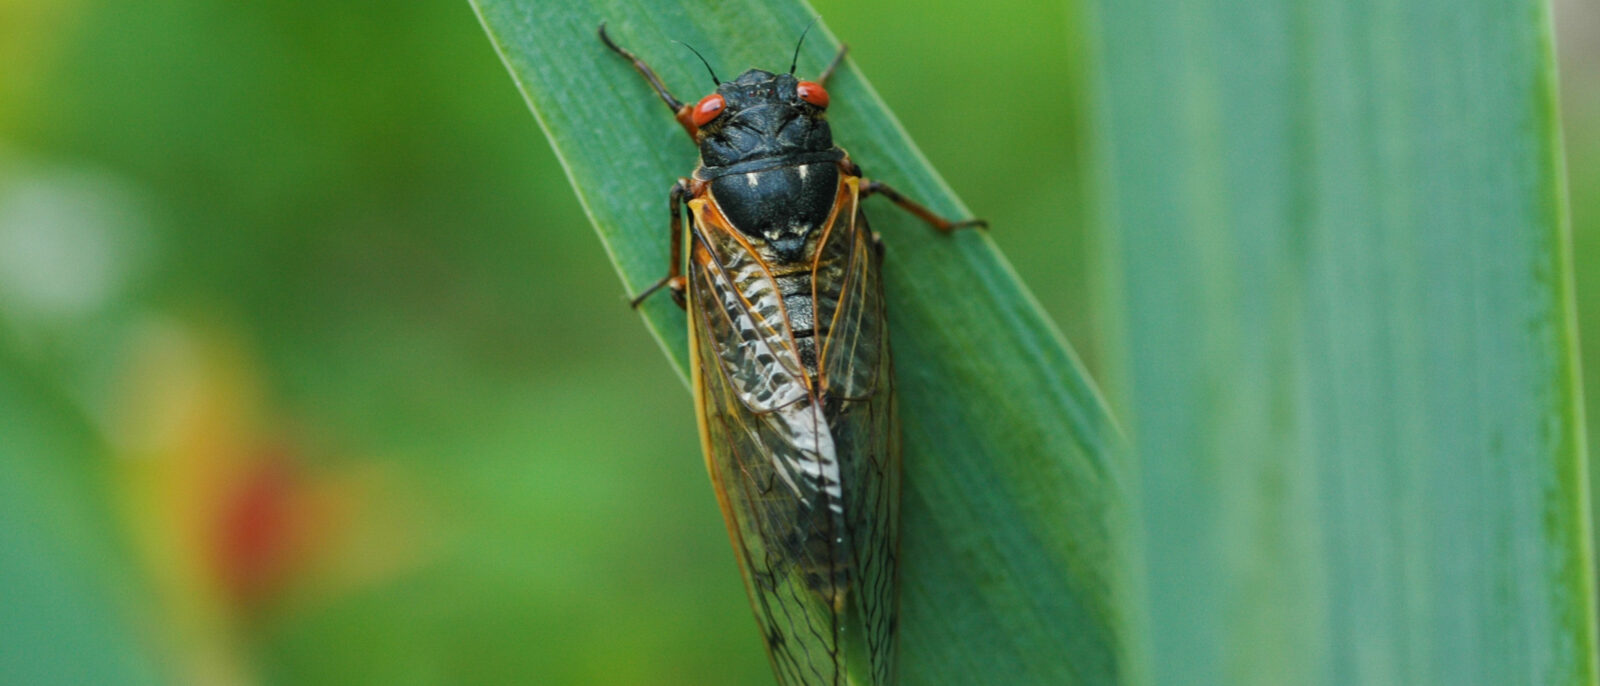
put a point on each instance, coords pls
(791, 367)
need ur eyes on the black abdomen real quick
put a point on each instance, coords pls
(795, 289)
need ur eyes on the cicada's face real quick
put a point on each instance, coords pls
(761, 115)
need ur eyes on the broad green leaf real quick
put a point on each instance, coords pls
(1014, 530)
(1339, 262)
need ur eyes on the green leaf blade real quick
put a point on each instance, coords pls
(1346, 344)
(1014, 534)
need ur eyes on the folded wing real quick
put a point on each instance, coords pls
(805, 463)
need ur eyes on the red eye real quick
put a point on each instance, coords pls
(814, 94)
(707, 109)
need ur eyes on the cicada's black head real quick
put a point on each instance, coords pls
(761, 115)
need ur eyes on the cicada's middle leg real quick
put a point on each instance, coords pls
(674, 280)
(870, 188)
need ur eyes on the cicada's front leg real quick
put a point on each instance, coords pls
(684, 113)
(838, 59)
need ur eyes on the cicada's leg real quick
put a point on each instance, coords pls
(674, 280)
(837, 60)
(680, 110)
(870, 188)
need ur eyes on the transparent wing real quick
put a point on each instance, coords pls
(857, 378)
(769, 469)
(748, 332)
(849, 301)
(809, 486)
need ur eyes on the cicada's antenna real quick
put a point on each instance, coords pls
(714, 78)
(798, 43)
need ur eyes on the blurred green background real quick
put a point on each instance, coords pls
(312, 371)
(353, 393)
